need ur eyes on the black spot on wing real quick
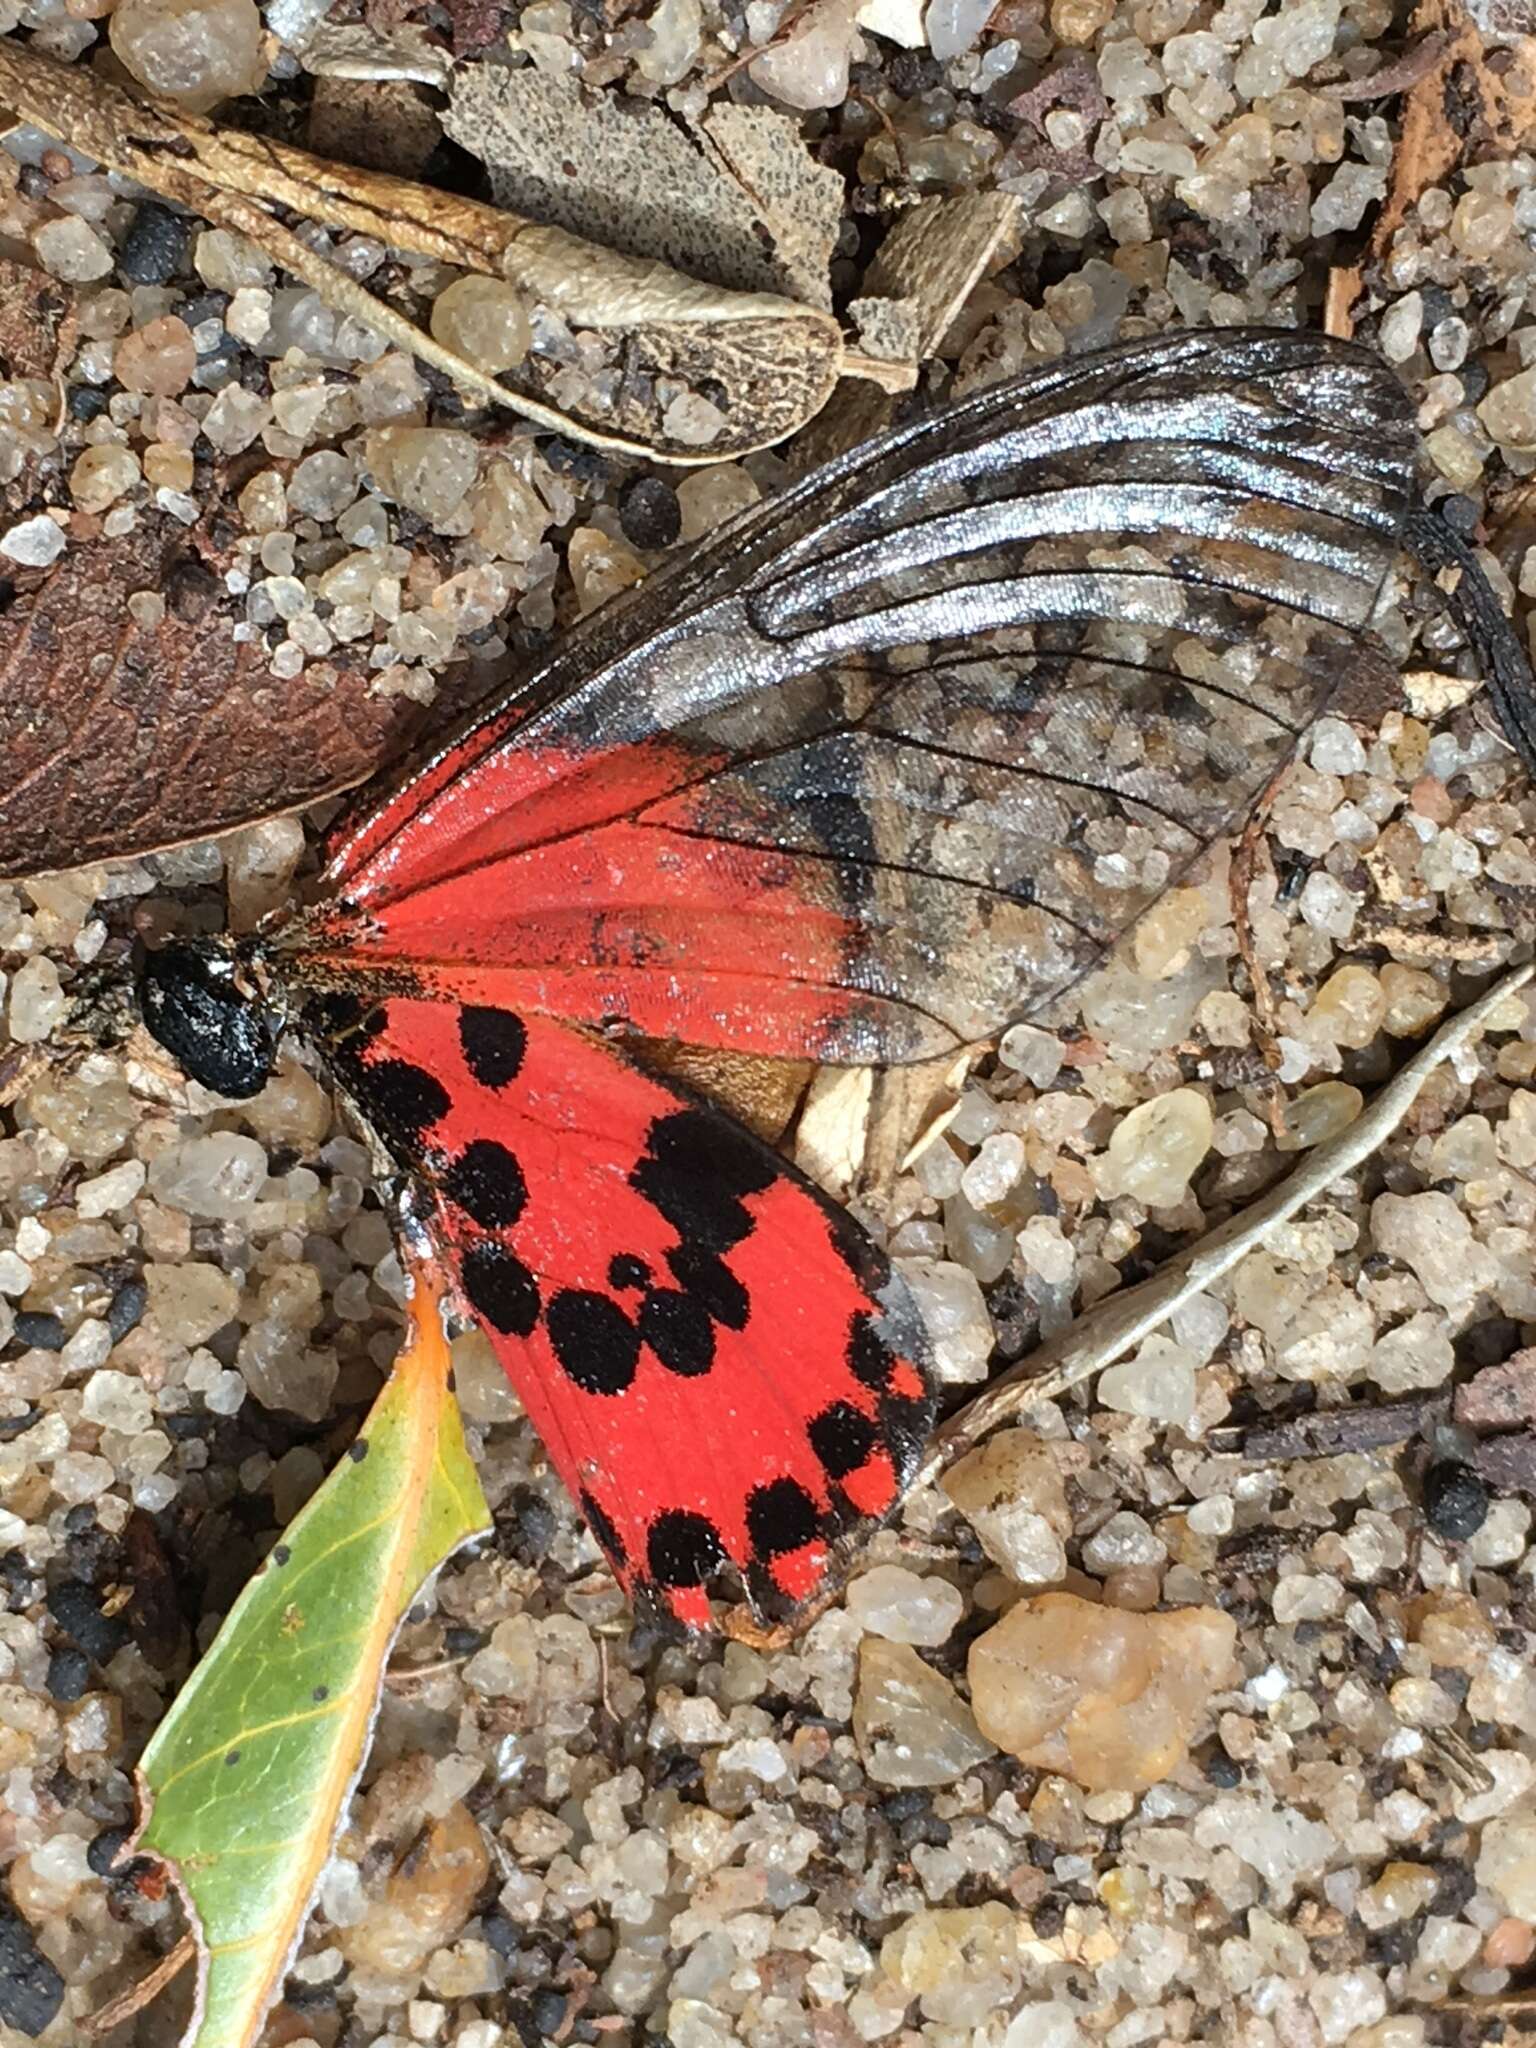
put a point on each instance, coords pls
(679, 1331)
(781, 1517)
(494, 1043)
(712, 1284)
(404, 1100)
(683, 1548)
(842, 1437)
(869, 1357)
(600, 1523)
(597, 1345)
(695, 1170)
(487, 1184)
(627, 1269)
(500, 1289)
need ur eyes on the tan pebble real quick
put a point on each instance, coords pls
(1510, 1945)
(157, 358)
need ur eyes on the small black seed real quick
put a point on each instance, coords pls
(358, 1451)
(320, 1694)
(1455, 1501)
(156, 241)
(649, 513)
(281, 1553)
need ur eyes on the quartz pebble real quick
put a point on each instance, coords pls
(72, 250)
(960, 1962)
(1159, 1382)
(911, 1726)
(810, 68)
(1108, 1698)
(904, 1608)
(196, 52)
(423, 1903)
(158, 358)
(1506, 1861)
(483, 320)
(1157, 1147)
(954, 1309)
(33, 542)
(426, 469)
(1012, 1492)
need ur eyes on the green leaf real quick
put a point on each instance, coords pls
(246, 1780)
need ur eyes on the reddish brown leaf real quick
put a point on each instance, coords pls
(117, 740)
(39, 321)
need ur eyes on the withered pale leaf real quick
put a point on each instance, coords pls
(831, 1135)
(117, 740)
(743, 206)
(936, 255)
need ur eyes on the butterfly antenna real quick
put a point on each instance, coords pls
(1471, 602)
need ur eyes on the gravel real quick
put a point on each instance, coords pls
(568, 1829)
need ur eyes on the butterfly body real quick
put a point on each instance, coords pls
(897, 758)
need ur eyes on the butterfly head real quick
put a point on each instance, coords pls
(197, 998)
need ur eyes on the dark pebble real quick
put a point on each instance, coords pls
(86, 402)
(525, 1526)
(463, 1642)
(31, 1989)
(549, 2010)
(649, 513)
(500, 1932)
(69, 1674)
(77, 1610)
(103, 1848)
(909, 72)
(40, 1332)
(154, 246)
(1455, 1501)
(1223, 1770)
(127, 1309)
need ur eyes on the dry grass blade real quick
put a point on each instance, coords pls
(1111, 1329)
(768, 363)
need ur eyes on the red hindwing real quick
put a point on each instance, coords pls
(725, 1372)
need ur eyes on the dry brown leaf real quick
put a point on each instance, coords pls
(765, 363)
(39, 321)
(1468, 101)
(117, 740)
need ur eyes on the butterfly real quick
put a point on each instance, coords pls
(888, 764)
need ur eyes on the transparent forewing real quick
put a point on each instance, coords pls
(908, 747)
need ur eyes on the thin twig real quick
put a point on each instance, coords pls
(1118, 1324)
(127, 2003)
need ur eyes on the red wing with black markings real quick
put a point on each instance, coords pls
(915, 741)
(723, 1369)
